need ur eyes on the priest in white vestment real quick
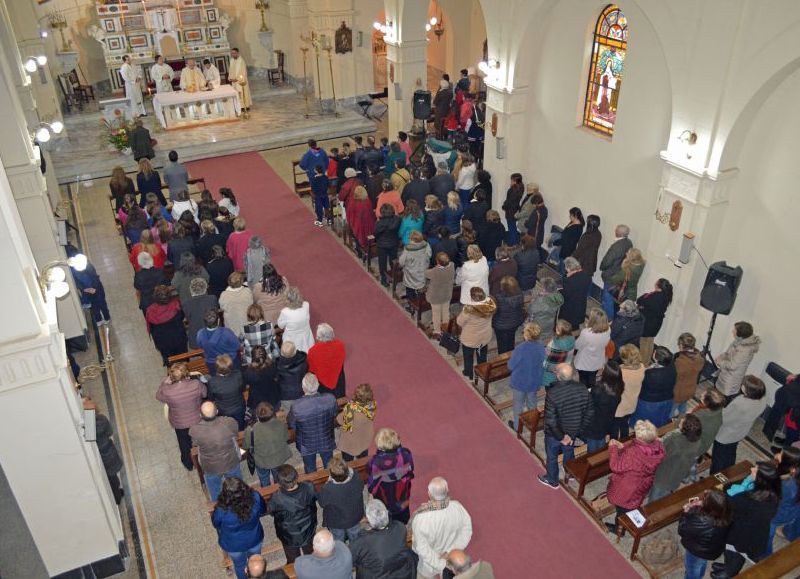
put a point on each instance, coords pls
(162, 74)
(237, 75)
(132, 75)
(211, 73)
(192, 78)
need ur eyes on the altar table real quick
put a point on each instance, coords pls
(181, 109)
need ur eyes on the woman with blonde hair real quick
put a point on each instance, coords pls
(474, 273)
(295, 319)
(238, 242)
(235, 302)
(390, 472)
(149, 181)
(453, 212)
(183, 395)
(493, 235)
(527, 369)
(120, 186)
(147, 245)
(510, 313)
(591, 347)
(632, 376)
(558, 350)
(434, 215)
(465, 177)
(357, 422)
(467, 237)
(623, 284)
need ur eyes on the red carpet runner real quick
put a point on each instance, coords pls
(523, 528)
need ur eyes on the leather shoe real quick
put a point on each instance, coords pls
(612, 528)
(718, 566)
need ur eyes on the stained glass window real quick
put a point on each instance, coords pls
(605, 70)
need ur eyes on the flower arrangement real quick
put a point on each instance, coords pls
(115, 132)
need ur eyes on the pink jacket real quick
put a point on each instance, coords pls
(633, 468)
(237, 248)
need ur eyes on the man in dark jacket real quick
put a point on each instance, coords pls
(575, 292)
(567, 412)
(441, 106)
(374, 183)
(381, 550)
(417, 189)
(511, 205)
(372, 155)
(535, 223)
(342, 501)
(292, 366)
(112, 463)
(147, 279)
(294, 508)
(312, 417)
(787, 400)
(140, 141)
(627, 326)
(611, 264)
(196, 307)
(218, 453)
(442, 183)
(313, 157)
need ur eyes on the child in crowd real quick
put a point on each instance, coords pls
(333, 166)
(319, 188)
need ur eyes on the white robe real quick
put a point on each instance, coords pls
(212, 76)
(192, 77)
(133, 91)
(157, 72)
(237, 75)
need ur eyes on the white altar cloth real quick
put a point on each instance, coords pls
(180, 102)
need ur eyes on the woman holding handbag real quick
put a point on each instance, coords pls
(182, 395)
(622, 285)
(266, 441)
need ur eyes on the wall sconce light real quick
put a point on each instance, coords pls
(34, 62)
(385, 28)
(489, 67)
(688, 139)
(44, 131)
(52, 278)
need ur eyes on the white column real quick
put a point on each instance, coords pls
(407, 62)
(298, 24)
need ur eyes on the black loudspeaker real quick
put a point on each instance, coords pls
(719, 291)
(422, 105)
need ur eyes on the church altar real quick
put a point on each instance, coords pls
(180, 109)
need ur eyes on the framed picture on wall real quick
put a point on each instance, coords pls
(214, 32)
(115, 43)
(139, 40)
(211, 14)
(193, 35)
(109, 25)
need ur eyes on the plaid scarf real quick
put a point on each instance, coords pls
(431, 506)
(348, 413)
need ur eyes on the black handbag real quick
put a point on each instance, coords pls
(251, 460)
(449, 341)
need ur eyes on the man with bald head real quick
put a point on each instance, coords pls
(439, 526)
(459, 564)
(331, 559)
(217, 447)
(568, 410)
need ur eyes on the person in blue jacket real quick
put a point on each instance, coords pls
(314, 157)
(237, 519)
(93, 294)
(527, 369)
(319, 188)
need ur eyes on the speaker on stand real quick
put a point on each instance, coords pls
(718, 296)
(421, 110)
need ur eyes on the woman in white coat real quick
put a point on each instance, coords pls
(295, 319)
(474, 273)
(591, 347)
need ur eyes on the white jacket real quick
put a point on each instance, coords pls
(470, 275)
(297, 327)
(591, 349)
(437, 532)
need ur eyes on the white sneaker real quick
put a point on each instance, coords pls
(318, 223)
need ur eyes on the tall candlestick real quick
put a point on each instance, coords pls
(144, 8)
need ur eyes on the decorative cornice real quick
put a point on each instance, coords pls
(26, 181)
(26, 362)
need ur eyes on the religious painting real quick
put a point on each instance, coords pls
(214, 32)
(605, 70)
(193, 35)
(115, 42)
(139, 40)
(344, 39)
(109, 25)
(211, 14)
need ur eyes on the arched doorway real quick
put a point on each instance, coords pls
(457, 39)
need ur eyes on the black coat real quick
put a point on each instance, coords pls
(374, 186)
(490, 238)
(372, 157)
(605, 405)
(447, 245)
(527, 268)
(146, 280)
(290, 375)
(140, 143)
(386, 232)
(510, 312)
(627, 330)
(700, 536)
(576, 293)
(476, 213)
(177, 247)
(170, 337)
(568, 409)
(383, 554)
(512, 203)
(787, 398)
(441, 185)
(416, 189)
(434, 219)
(342, 503)
(218, 272)
(205, 243)
(749, 531)
(653, 306)
(295, 514)
(105, 444)
(535, 224)
(263, 386)
(569, 239)
(658, 384)
(228, 393)
(587, 249)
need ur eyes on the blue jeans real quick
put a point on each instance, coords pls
(240, 558)
(310, 460)
(791, 530)
(264, 475)
(352, 533)
(553, 448)
(609, 305)
(512, 238)
(593, 444)
(522, 401)
(656, 412)
(464, 196)
(214, 481)
(695, 566)
(678, 408)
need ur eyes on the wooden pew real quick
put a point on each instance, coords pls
(491, 371)
(193, 181)
(421, 304)
(195, 360)
(301, 186)
(782, 563)
(318, 478)
(668, 510)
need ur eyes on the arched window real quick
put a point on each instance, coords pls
(605, 70)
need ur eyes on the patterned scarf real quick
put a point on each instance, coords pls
(351, 408)
(432, 505)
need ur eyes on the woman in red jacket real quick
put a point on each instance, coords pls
(360, 217)
(633, 469)
(326, 361)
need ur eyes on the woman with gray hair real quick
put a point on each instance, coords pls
(543, 310)
(196, 307)
(256, 257)
(628, 325)
(381, 550)
(295, 319)
(326, 361)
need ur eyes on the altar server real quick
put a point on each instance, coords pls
(132, 75)
(162, 74)
(192, 78)
(237, 73)
(212, 74)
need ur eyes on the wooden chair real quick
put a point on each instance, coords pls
(492, 371)
(301, 184)
(70, 98)
(532, 420)
(277, 75)
(84, 91)
(195, 360)
(783, 562)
